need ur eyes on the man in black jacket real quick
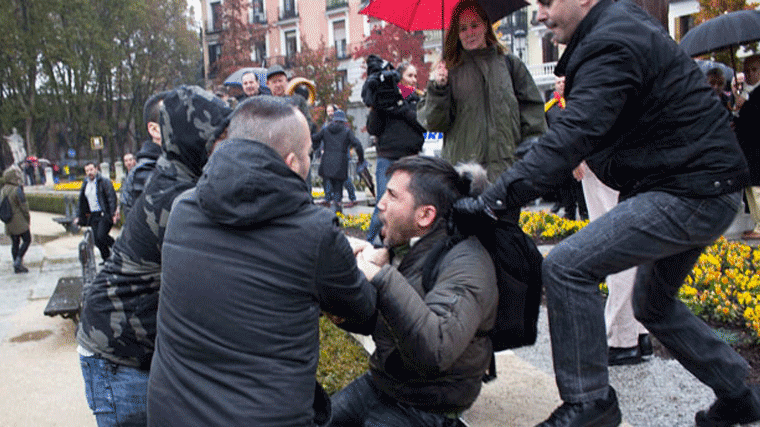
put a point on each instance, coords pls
(641, 114)
(249, 262)
(97, 204)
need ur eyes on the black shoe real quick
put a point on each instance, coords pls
(599, 413)
(727, 412)
(645, 345)
(624, 356)
(557, 206)
(20, 269)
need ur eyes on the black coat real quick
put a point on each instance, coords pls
(748, 134)
(397, 130)
(336, 139)
(248, 264)
(639, 111)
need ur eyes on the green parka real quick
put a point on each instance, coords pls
(479, 112)
(14, 190)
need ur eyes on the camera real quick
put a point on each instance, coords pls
(380, 90)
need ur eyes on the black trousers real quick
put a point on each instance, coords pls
(19, 244)
(101, 224)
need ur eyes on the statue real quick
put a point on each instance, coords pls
(16, 144)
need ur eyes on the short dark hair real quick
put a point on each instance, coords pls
(434, 181)
(259, 118)
(151, 109)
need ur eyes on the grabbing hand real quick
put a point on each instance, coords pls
(471, 214)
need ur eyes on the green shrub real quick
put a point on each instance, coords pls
(49, 202)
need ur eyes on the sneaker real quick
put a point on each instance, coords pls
(599, 413)
(728, 412)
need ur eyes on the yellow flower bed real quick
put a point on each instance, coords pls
(77, 185)
(724, 285)
(317, 194)
(360, 221)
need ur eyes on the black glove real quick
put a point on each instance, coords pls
(472, 215)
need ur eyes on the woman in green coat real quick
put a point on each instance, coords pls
(18, 227)
(483, 100)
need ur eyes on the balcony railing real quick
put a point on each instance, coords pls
(335, 4)
(288, 13)
(543, 74)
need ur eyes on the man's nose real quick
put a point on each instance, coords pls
(541, 16)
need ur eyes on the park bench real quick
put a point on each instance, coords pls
(70, 204)
(67, 297)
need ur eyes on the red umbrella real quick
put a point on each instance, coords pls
(433, 14)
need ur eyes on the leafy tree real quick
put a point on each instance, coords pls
(396, 46)
(237, 38)
(321, 66)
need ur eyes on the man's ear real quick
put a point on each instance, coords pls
(425, 215)
(154, 130)
(292, 161)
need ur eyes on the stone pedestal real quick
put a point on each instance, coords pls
(105, 169)
(49, 177)
(118, 167)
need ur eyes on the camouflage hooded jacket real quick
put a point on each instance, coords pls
(118, 319)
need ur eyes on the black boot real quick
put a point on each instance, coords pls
(599, 413)
(727, 412)
(18, 266)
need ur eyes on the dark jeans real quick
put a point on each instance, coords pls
(333, 190)
(347, 184)
(663, 235)
(381, 180)
(101, 224)
(24, 239)
(571, 196)
(362, 404)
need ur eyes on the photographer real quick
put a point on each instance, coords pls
(393, 97)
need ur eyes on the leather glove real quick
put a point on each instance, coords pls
(473, 214)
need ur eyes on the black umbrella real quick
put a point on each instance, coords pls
(722, 32)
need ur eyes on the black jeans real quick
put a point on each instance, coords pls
(24, 239)
(101, 224)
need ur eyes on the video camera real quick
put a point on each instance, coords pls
(380, 90)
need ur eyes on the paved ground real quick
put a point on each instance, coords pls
(43, 384)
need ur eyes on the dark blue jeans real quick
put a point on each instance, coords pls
(116, 394)
(664, 235)
(381, 180)
(362, 404)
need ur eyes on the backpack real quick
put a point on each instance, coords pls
(517, 262)
(6, 210)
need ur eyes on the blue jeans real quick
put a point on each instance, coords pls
(116, 394)
(362, 404)
(664, 235)
(347, 184)
(381, 181)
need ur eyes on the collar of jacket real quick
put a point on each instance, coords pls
(580, 32)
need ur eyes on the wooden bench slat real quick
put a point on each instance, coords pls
(66, 298)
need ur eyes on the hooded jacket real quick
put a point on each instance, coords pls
(118, 318)
(249, 263)
(639, 111)
(14, 190)
(337, 138)
(485, 110)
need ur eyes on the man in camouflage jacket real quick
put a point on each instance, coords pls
(117, 329)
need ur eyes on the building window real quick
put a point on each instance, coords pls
(259, 51)
(288, 9)
(339, 35)
(341, 79)
(216, 16)
(214, 52)
(291, 43)
(683, 25)
(258, 12)
(549, 48)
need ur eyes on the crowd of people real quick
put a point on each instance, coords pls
(206, 308)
